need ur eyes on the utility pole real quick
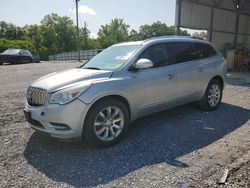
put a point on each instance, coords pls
(85, 36)
(77, 30)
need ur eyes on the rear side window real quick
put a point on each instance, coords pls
(180, 52)
(204, 50)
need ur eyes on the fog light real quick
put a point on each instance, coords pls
(60, 126)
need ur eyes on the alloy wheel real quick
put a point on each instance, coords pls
(109, 123)
(214, 95)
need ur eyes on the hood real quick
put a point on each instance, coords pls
(57, 80)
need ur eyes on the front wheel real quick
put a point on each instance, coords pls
(106, 122)
(212, 98)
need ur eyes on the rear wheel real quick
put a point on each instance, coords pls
(212, 98)
(106, 122)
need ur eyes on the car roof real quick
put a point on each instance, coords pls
(129, 43)
(19, 49)
(163, 39)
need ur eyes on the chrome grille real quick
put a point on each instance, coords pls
(36, 96)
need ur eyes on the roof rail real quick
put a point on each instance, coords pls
(168, 36)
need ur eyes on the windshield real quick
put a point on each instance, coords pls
(11, 51)
(112, 58)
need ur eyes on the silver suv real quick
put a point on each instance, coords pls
(99, 100)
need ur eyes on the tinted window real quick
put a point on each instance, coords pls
(204, 50)
(170, 53)
(179, 52)
(157, 54)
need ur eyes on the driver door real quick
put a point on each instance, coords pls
(155, 88)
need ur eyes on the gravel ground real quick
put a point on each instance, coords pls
(176, 148)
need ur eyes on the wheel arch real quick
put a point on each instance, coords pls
(219, 79)
(121, 98)
(216, 77)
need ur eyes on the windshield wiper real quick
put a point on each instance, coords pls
(93, 68)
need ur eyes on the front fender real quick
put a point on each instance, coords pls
(110, 87)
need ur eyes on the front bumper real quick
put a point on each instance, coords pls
(58, 121)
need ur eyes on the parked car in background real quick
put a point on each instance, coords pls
(16, 56)
(126, 81)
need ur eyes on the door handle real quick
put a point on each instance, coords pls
(170, 76)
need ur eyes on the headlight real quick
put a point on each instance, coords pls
(67, 95)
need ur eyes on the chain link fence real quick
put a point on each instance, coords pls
(84, 55)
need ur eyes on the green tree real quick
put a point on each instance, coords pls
(94, 44)
(115, 32)
(84, 33)
(183, 33)
(58, 33)
(133, 35)
(6, 43)
(200, 35)
(158, 29)
(155, 30)
(10, 31)
(33, 33)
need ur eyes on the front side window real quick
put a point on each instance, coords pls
(157, 54)
(112, 58)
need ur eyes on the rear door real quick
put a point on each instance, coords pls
(189, 71)
(208, 55)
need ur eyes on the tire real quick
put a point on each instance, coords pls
(212, 98)
(103, 126)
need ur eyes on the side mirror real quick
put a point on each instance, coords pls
(143, 64)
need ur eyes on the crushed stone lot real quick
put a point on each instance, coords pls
(181, 147)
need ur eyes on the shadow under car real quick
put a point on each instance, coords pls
(161, 137)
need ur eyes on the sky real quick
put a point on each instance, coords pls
(94, 12)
